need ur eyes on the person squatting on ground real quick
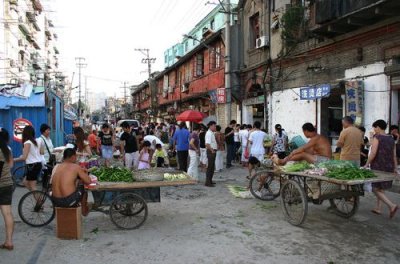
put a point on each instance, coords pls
(160, 156)
(6, 188)
(67, 183)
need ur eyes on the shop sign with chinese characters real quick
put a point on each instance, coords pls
(355, 100)
(221, 95)
(315, 92)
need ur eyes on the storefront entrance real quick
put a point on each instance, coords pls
(332, 112)
(253, 110)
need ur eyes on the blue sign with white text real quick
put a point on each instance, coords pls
(315, 92)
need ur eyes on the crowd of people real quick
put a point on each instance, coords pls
(202, 149)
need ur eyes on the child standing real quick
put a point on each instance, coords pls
(144, 157)
(159, 155)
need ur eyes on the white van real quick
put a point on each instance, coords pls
(131, 122)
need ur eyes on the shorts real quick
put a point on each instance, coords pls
(281, 155)
(6, 195)
(33, 171)
(72, 200)
(106, 151)
(255, 159)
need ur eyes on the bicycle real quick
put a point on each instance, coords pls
(36, 207)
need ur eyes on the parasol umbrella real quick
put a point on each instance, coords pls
(191, 115)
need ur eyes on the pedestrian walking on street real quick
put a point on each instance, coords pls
(230, 143)
(279, 142)
(350, 141)
(6, 188)
(203, 150)
(32, 156)
(257, 150)
(181, 142)
(194, 152)
(94, 142)
(382, 158)
(129, 146)
(211, 145)
(219, 160)
(106, 137)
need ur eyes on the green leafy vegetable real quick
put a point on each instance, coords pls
(113, 174)
(350, 174)
(336, 164)
(297, 166)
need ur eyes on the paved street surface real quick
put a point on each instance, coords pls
(195, 224)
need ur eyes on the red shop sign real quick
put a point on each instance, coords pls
(18, 126)
(221, 95)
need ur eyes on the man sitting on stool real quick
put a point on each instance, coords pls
(67, 183)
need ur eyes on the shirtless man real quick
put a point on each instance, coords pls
(67, 189)
(317, 150)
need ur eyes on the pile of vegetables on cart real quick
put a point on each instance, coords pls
(112, 174)
(337, 169)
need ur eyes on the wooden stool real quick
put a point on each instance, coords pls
(69, 223)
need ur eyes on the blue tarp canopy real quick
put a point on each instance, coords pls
(35, 100)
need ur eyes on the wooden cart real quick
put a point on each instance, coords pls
(126, 203)
(297, 189)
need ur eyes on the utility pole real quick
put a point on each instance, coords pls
(86, 94)
(147, 60)
(80, 63)
(228, 83)
(125, 99)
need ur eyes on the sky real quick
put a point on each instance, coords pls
(106, 33)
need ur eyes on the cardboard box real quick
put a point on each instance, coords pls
(69, 223)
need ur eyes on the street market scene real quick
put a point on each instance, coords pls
(194, 131)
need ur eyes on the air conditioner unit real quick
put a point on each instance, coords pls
(185, 88)
(262, 41)
(170, 89)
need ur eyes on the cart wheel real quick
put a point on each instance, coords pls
(345, 207)
(294, 202)
(265, 186)
(36, 209)
(128, 211)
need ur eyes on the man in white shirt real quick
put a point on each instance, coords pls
(257, 150)
(211, 146)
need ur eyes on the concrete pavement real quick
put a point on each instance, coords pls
(195, 224)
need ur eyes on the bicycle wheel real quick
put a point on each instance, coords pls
(264, 186)
(36, 209)
(18, 175)
(128, 211)
(294, 202)
(345, 207)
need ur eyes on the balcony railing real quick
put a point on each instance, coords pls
(335, 17)
(23, 26)
(37, 5)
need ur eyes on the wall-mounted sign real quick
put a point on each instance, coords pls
(355, 101)
(18, 126)
(221, 94)
(213, 96)
(315, 92)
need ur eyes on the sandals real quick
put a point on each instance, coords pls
(4, 246)
(374, 211)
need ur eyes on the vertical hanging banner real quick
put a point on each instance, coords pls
(221, 94)
(355, 100)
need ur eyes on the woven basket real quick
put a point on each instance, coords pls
(148, 175)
